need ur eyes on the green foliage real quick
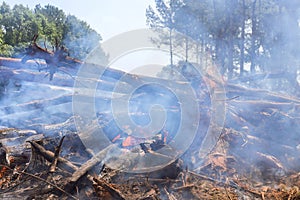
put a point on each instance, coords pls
(6, 50)
(19, 24)
(78, 34)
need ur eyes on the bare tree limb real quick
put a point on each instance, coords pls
(56, 155)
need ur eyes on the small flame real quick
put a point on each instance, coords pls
(132, 141)
(116, 138)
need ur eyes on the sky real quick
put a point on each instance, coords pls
(107, 17)
(110, 18)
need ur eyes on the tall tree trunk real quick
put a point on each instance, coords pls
(171, 23)
(230, 35)
(171, 48)
(220, 54)
(198, 54)
(230, 57)
(242, 44)
(202, 52)
(202, 47)
(219, 43)
(186, 48)
(253, 38)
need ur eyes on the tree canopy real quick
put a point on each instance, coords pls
(19, 24)
(241, 35)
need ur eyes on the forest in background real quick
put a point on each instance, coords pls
(243, 37)
(55, 28)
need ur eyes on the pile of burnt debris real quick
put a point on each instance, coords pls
(256, 155)
(252, 162)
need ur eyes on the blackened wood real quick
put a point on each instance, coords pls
(56, 155)
(48, 155)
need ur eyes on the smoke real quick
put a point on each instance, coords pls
(256, 121)
(80, 39)
(28, 101)
(267, 44)
(263, 119)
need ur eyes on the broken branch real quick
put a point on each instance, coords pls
(56, 155)
(48, 155)
(89, 164)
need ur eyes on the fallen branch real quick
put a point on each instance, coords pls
(149, 194)
(48, 155)
(15, 63)
(262, 104)
(67, 165)
(56, 155)
(170, 196)
(89, 164)
(258, 94)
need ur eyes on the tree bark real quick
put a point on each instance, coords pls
(253, 38)
(242, 45)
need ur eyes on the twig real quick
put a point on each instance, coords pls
(156, 179)
(227, 193)
(41, 179)
(184, 187)
(263, 196)
(204, 177)
(116, 194)
(14, 186)
(170, 196)
(184, 178)
(56, 155)
(229, 99)
(148, 194)
(232, 184)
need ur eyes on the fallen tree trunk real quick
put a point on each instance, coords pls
(258, 94)
(16, 63)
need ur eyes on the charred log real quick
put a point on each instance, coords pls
(53, 59)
